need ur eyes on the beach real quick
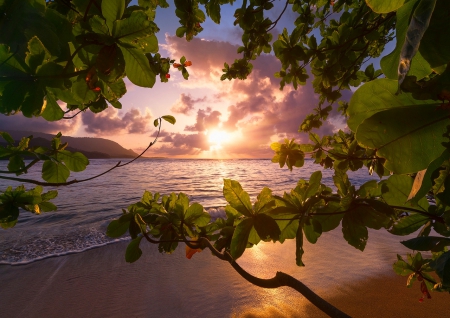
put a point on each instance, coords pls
(99, 283)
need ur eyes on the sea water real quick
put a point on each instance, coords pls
(85, 209)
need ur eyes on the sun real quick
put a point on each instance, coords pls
(218, 137)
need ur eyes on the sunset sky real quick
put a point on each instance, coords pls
(215, 119)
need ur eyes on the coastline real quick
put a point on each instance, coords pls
(99, 283)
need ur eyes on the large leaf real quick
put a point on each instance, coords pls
(435, 45)
(409, 224)
(266, 227)
(116, 228)
(240, 238)
(25, 97)
(428, 243)
(131, 29)
(416, 29)
(409, 138)
(54, 172)
(37, 54)
(133, 252)
(389, 63)
(377, 96)
(423, 182)
(52, 111)
(112, 10)
(396, 189)
(354, 232)
(442, 267)
(75, 161)
(195, 214)
(237, 197)
(137, 66)
(383, 6)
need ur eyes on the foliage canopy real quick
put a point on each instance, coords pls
(79, 51)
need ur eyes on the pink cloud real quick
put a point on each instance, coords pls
(255, 108)
(111, 122)
(186, 104)
(39, 124)
(206, 119)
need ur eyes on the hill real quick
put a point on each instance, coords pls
(91, 147)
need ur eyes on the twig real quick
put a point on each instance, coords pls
(57, 184)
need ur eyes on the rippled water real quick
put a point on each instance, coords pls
(85, 209)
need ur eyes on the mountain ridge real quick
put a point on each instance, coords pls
(92, 147)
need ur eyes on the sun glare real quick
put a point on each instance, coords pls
(217, 138)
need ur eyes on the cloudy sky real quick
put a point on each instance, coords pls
(215, 119)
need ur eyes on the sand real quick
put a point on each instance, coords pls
(99, 283)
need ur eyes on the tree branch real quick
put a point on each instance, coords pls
(118, 165)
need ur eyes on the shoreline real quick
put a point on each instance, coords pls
(99, 283)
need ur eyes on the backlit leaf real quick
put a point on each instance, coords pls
(240, 238)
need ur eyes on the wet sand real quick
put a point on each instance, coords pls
(99, 283)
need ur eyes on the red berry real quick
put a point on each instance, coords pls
(97, 89)
(167, 75)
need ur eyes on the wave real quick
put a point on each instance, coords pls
(35, 249)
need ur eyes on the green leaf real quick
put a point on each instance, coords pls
(23, 96)
(134, 28)
(52, 111)
(428, 243)
(213, 10)
(7, 137)
(409, 224)
(237, 197)
(402, 268)
(266, 227)
(195, 214)
(299, 251)
(156, 122)
(417, 27)
(435, 44)
(81, 92)
(312, 231)
(112, 10)
(383, 6)
(314, 184)
(389, 64)
(49, 195)
(137, 66)
(421, 187)
(354, 232)
(377, 96)
(117, 228)
(75, 161)
(8, 213)
(54, 172)
(240, 238)
(47, 207)
(169, 119)
(133, 252)
(409, 138)
(330, 221)
(442, 267)
(37, 54)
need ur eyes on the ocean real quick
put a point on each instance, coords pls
(85, 209)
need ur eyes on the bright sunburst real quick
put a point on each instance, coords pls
(217, 138)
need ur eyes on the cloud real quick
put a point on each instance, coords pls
(254, 111)
(185, 104)
(111, 122)
(39, 124)
(206, 119)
